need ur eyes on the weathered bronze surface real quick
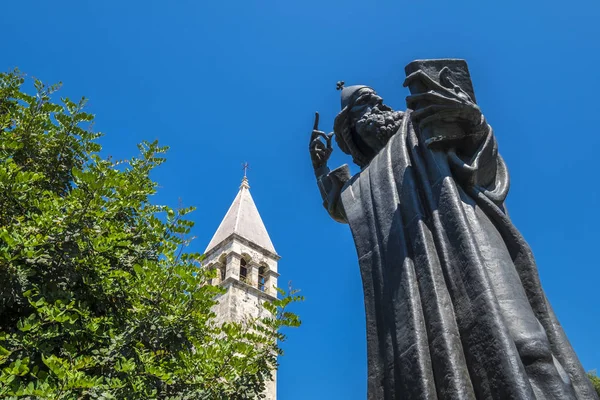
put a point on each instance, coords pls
(454, 304)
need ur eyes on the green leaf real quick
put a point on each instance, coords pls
(4, 355)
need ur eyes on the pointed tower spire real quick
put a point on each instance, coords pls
(243, 219)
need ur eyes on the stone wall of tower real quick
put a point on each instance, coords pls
(242, 299)
(237, 304)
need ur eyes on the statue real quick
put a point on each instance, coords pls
(454, 304)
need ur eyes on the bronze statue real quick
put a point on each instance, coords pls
(454, 304)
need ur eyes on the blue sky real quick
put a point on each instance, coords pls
(226, 82)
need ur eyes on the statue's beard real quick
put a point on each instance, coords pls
(377, 126)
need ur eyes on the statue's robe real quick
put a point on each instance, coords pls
(443, 268)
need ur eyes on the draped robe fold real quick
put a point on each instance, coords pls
(431, 232)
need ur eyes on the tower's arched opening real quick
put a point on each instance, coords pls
(262, 278)
(243, 270)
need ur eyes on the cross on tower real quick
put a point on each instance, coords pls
(245, 167)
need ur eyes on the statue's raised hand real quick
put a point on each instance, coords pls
(319, 151)
(443, 102)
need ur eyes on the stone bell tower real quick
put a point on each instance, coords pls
(246, 260)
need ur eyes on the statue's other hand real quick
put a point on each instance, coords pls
(319, 151)
(443, 102)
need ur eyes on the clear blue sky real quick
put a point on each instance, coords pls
(227, 82)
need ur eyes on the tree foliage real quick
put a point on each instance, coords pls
(595, 381)
(99, 295)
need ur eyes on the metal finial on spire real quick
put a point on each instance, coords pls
(339, 85)
(245, 183)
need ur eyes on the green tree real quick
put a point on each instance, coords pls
(99, 295)
(595, 381)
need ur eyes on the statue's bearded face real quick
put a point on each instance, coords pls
(372, 122)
